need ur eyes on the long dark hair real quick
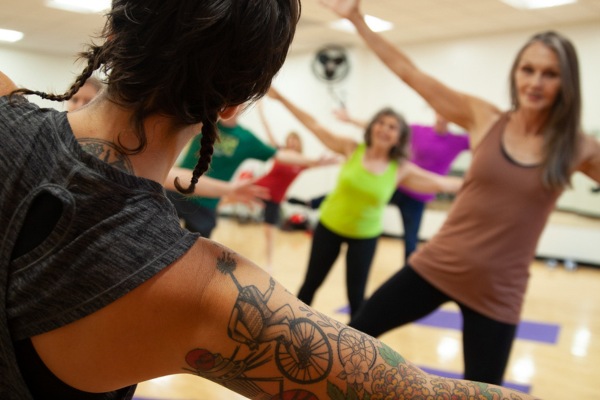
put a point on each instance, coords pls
(561, 132)
(187, 60)
(400, 151)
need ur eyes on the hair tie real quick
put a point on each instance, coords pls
(43, 95)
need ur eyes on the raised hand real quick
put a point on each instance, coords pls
(343, 8)
(342, 115)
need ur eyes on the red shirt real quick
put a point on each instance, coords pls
(279, 179)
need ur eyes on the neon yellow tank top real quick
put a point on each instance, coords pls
(355, 207)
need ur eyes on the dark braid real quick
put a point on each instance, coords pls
(209, 136)
(94, 62)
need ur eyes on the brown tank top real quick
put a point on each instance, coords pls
(481, 255)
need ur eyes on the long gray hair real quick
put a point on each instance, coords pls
(561, 132)
(400, 151)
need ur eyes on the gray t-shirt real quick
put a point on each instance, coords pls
(116, 231)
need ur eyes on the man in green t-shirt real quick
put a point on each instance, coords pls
(237, 145)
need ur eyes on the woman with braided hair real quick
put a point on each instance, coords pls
(100, 286)
(88, 228)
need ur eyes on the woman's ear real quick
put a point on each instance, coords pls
(229, 112)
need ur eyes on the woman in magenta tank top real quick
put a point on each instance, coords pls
(522, 160)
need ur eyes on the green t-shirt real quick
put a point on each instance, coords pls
(355, 207)
(237, 144)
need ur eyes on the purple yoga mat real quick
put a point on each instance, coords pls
(527, 330)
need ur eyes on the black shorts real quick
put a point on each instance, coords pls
(271, 213)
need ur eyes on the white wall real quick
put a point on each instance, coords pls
(36, 71)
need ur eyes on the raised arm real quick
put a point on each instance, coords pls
(342, 115)
(261, 114)
(473, 114)
(214, 188)
(206, 315)
(294, 158)
(336, 143)
(419, 180)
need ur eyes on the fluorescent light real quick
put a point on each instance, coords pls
(80, 6)
(10, 36)
(376, 25)
(531, 4)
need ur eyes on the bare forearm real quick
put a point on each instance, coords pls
(306, 119)
(206, 187)
(457, 107)
(333, 142)
(395, 59)
(358, 123)
(272, 140)
(294, 158)
(423, 181)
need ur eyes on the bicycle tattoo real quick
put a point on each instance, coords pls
(302, 353)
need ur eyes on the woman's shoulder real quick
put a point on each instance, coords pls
(6, 85)
(21, 123)
(588, 149)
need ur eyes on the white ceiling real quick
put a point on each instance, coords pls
(63, 32)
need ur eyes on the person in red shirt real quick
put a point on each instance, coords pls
(278, 180)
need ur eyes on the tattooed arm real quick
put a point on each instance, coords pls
(305, 353)
(183, 321)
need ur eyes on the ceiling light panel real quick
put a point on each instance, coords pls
(10, 36)
(376, 24)
(533, 4)
(80, 6)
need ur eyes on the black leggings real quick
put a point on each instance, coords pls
(407, 297)
(325, 249)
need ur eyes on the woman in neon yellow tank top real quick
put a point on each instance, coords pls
(353, 212)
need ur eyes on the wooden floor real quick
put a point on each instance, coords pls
(568, 369)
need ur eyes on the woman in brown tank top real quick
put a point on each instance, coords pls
(522, 160)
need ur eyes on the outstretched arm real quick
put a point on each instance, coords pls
(294, 158)
(336, 143)
(419, 180)
(473, 114)
(261, 114)
(244, 192)
(178, 322)
(342, 115)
